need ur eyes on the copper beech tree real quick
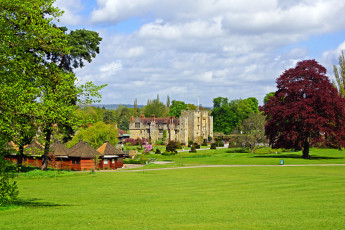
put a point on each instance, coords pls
(305, 110)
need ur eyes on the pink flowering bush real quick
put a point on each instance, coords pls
(147, 147)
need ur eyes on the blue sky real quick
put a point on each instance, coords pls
(185, 49)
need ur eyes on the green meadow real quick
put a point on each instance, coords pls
(266, 197)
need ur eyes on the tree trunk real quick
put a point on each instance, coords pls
(306, 150)
(48, 132)
(20, 158)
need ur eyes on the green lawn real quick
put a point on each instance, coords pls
(222, 157)
(199, 198)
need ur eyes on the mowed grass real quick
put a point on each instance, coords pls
(222, 157)
(199, 198)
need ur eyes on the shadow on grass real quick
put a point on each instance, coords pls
(299, 157)
(35, 202)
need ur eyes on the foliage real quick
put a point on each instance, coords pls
(8, 186)
(213, 146)
(158, 151)
(176, 107)
(228, 115)
(340, 75)
(172, 146)
(96, 135)
(238, 141)
(268, 96)
(254, 130)
(192, 149)
(123, 117)
(108, 117)
(147, 147)
(133, 142)
(154, 107)
(305, 110)
(196, 145)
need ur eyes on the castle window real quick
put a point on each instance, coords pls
(137, 125)
(160, 130)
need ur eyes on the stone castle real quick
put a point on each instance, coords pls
(196, 126)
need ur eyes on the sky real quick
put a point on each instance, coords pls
(203, 48)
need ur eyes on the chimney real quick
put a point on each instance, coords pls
(173, 117)
(131, 119)
(142, 116)
(106, 141)
(153, 117)
(80, 140)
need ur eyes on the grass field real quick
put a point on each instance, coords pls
(264, 197)
(202, 198)
(222, 157)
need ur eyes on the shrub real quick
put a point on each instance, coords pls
(204, 144)
(172, 146)
(131, 161)
(166, 153)
(8, 187)
(193, 149)
(159, 142)
(190, 143)
(239, 150)
(213, 146)
(158, 151)
(196, 146)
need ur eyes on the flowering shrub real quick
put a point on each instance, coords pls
(147, 147)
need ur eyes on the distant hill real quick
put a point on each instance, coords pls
(114, 106)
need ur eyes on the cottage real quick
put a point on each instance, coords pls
(82, 156)
(110, 157)
(58, 156)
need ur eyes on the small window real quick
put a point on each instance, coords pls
(78, 162)
(73, 162)
(113, 161)
(160, 130)
(137, 125)
(119, 159)
(105, 161)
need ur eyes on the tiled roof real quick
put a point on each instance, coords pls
(122, 132)
(160, 121)
(83, 150)
(58, 149)
(108, 149)
(34, 148)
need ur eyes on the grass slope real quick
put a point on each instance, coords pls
(202, 198)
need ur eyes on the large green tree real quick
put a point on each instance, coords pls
(155, 107)
(176, 107)
(96, 134)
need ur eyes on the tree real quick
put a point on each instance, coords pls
(96, 135)
(254, 131)
(224, 117)
(340, 75)
(268, 96)
(108, 117)
(176, 108)
(123, 117)
(154, 107)
(305, 110)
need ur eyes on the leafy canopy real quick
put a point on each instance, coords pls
(306, 109)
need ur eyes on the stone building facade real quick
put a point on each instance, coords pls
(196, 126)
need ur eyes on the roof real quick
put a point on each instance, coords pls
(108, 149)
(58, 149)
(82, 150)
(34, 148)
(160, 121)
(122, 132)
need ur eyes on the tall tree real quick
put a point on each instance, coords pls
(254, 131)
(305, 110)
(176, 108)
(154, 107)
(224, 117)
(340, 75)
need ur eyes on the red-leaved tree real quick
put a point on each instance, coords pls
(305, 110)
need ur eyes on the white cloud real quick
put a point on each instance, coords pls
(186, 49)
